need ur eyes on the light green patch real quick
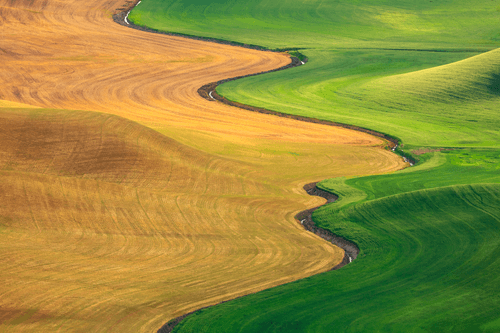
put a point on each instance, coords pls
(346, 194)
(492, 326)
(403, 20)
(436, 160)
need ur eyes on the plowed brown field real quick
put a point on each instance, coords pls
(159, 203)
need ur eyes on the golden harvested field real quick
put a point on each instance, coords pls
(148, 202)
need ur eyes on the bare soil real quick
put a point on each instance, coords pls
(351, 250)
(191, 192)
(208, 88)
(205, 91)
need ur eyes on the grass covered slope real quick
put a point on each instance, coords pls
(159, 203)
(443, 106)
(312, 24)
(357, 52)
(454, 104)
(428, 235)
(429, 260)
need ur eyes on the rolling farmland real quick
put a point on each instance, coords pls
(426, 73)
(127, 199)
(429, 262)
(368, 64)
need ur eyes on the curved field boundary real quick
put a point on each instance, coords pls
(122, 19)
(171, 202)
(208, 91)
(351, 250)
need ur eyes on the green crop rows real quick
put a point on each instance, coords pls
(426, 72)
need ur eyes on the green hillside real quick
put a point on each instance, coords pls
(357, 52)
(324, 24)
(445, 106)
(427, 73)
(429, 262)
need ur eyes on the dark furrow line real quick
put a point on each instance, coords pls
(124, 11)
(351, 250)
(208, 92)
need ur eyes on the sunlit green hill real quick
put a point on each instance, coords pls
(316, 23)
(429, 261)
(426, 72)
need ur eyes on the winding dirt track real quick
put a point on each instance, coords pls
(159, 203)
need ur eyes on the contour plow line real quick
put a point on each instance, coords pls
(149, 201)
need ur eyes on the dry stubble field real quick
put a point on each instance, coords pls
(148, 201)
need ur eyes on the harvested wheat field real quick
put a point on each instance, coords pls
(125, 198)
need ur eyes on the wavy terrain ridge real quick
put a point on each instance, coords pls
(428, 235)
(146, 201)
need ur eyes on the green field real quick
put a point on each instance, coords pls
(453, 105)
(366, 61)
(438, 24)
(429, 260)
(427, 73)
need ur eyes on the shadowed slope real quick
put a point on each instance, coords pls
(103, 147)
(468, 80)
(109, 225)
(443, 101)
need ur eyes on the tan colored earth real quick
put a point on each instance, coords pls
(125, 198)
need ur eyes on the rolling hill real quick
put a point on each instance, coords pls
(426, 73)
